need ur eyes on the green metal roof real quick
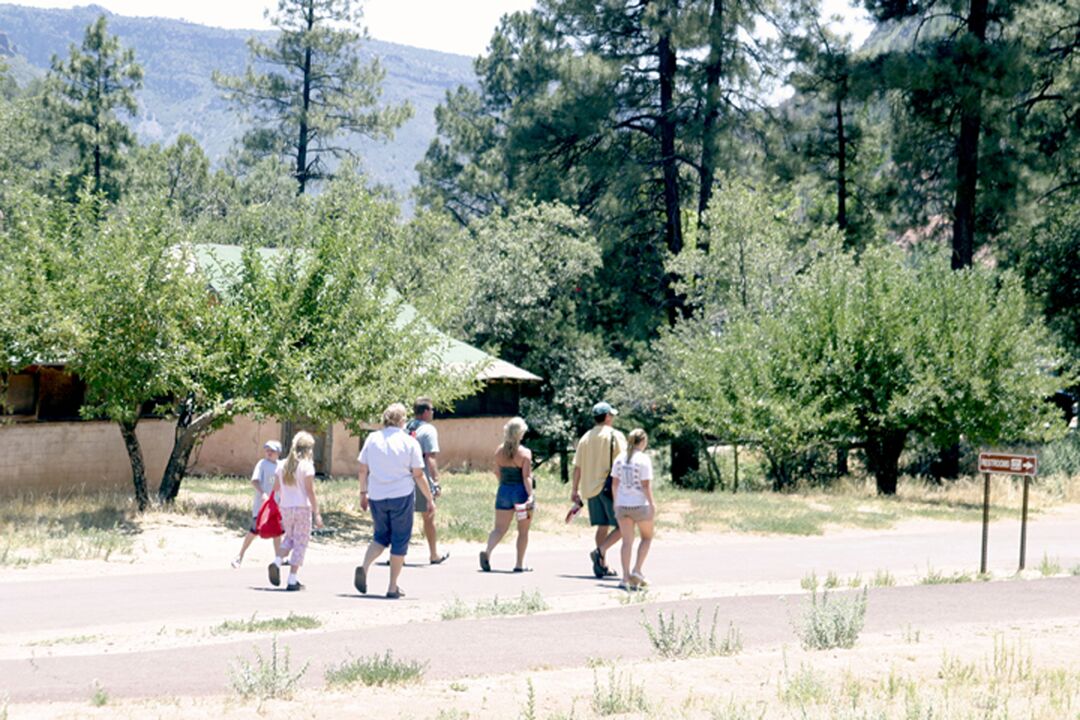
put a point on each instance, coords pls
(222, 262)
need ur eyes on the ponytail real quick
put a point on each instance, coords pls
(633, 440)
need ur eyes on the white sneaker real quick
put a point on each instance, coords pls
(236, 562)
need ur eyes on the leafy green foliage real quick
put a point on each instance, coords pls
(874, 350)
(309, 86)
(84, 95)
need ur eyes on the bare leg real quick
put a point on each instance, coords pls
(396, 563)
(522, 540)
(277, 546)
(608, 541)
(626, 532)
(429, 533)
(374, 550)
(247, 543)
(502, 524)
(646, 530)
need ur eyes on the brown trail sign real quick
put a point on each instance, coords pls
(1006, 464)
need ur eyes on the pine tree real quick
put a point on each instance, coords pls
(309, 90)
(84, 95)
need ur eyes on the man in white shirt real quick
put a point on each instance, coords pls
(391, 466)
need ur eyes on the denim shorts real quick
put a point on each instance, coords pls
(393, 518)
(510, 495)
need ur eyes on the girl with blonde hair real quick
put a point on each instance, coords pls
(294, 483)
(513, 468)
(632, 476)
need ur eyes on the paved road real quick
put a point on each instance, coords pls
(476, 647)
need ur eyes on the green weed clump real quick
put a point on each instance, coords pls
(684, 637)
(266, 678)
(99, 696)
(833, 621)
(1049, 567)
(251, 625)
(376, 670)
(936, 577)
(619, 696)
(527, 603)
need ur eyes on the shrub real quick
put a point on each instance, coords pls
(266, 677)
(833, 621)
(376, 670)
(682, 637)
(618, 697)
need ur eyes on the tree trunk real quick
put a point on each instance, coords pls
(841, 169)
(967, 152)
(684, 459)
(883, 459)
(841, 461)
(714, 69)
(665, 51)
(564, 466)
(189, 429)
(946, 466)
(138, 469)
(302, 142)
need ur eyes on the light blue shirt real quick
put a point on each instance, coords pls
(391, 455)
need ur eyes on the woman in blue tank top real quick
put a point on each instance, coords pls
(514, 499)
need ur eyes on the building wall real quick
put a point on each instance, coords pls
(465, 443)
(47, 456)
(235, 448)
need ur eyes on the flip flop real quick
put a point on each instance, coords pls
(598, 568)
(395, 594)
(275, 574)
(485, 564)
(440, 560)
(522, 569)
(360, 580)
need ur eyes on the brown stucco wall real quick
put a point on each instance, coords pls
(466, 443)
(47, 456)
(235, 448)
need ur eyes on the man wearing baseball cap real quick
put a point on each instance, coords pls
(262, 479)
(596, 452)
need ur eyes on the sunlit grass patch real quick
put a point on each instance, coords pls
(375, 670)
(280, 624)
(527, 603)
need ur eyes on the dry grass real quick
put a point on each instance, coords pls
(41, 528)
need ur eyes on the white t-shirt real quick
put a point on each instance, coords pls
(295, 496)
(631, 475)
(264, 473)
(391, 455)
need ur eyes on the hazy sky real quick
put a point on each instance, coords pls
(457, 26)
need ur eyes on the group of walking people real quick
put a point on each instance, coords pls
(399, 477)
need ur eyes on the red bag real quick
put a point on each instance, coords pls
(268, 522)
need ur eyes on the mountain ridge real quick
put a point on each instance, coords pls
(178, 96)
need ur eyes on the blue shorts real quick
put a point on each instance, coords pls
(510, 495)
(393, 518)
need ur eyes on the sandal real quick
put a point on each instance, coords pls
(638, 579)
(522, 569)
(395, 594)
(360, 580)
(440, 560)
(485, 563)
(275, 574)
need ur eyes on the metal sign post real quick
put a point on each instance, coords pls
(1006, 464)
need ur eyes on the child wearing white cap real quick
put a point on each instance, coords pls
(262, 480)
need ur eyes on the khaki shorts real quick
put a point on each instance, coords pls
(637, 513)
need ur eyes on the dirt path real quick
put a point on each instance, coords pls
(138, 628)
(470, 648)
